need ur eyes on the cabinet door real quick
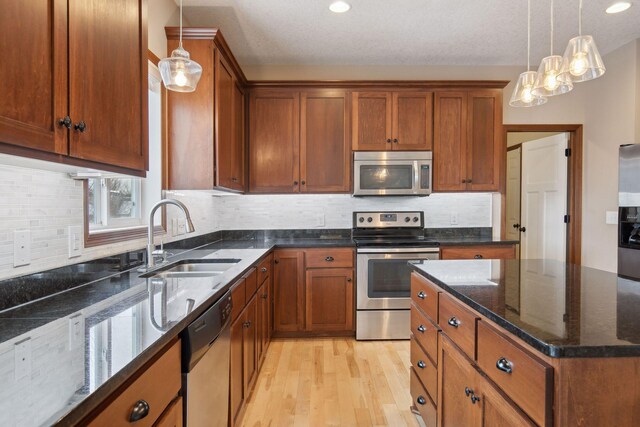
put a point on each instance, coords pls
(238, 145)
(274, 160)
(325, 154)
(450, 141)
(485, 140)
(289, 290)
(236, 364)
(224, 126)
(33, 42)
(371, 129)
(108, 81)
(458, 387)
(329, 299)
(259, 323)
(412, 121)
(497, 410)
(172, 416)
(249, 345)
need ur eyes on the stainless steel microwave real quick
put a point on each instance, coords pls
(392, 173)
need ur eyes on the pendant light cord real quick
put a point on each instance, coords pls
(580, 18)
(181, 24)
(529, 34)
(551, 27)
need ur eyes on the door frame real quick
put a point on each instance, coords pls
(574, 183)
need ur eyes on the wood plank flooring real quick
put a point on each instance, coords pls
(332, 382)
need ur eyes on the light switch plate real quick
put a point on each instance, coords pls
(454, 218)
(76, 331)
(182, 226)
(22, 359)
(612, 217)
(75, 241)
(21, 247)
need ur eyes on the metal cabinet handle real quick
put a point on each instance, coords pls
(422, 295)
(295, 182)
(395, 140)
(263, 269)
(329, 259)
(504, 365)
(80, 126)
(264, 296)
(421, 364)
(139, 411)
(303, 182)
(388, 140)
(464, 181)
(234, 179)
(523, 229)
(421, 328)
(516, 225)
(349, 279)
(421, 400)
(478, 256)
(469, 181)
(453, 322)
(468, 391)
(247, 324)
(65, 122)
(474, 399)
(276, 261)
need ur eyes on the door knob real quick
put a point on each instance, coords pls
(523, 229)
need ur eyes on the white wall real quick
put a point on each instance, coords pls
(161, 13)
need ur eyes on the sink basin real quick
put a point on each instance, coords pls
(194, 268)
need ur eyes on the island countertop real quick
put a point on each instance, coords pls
(560, 309)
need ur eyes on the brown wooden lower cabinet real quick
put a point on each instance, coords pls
(236, 365)
(318, 300)
(478, 252)
(249, 345)
(172, 416)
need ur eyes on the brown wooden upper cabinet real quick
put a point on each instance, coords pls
(74, 81)
(385, 121)
(205, 144)
(299, 141)
(468, 144)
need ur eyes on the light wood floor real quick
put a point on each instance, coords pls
(332, 381)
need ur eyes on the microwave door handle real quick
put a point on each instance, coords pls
(416, 176)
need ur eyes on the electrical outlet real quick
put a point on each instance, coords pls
(454, 218)
(75, 243)
(76, 330)
(320, 220)
(182, 226)
(22, 359)
(21, 247)
(611, 217)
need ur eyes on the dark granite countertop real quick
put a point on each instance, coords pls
(560, 309)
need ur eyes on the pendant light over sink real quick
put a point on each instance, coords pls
(179, 72)
(523, 95)
(581, 60)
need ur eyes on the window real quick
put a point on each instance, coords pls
(116, 206)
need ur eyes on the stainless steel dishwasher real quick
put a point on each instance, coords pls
(205, 367)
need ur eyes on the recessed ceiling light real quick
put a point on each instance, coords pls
(618, 7)
(339, 7)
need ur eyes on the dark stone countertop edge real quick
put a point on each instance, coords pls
(477, 242)
(566, 351)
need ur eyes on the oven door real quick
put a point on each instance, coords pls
(384, 276)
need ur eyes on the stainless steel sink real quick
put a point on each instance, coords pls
(190, 268)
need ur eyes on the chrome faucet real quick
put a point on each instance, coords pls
(152, 253)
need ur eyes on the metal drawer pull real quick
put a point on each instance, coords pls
(478, 256)
(421, 328)
(422, 295)
(329, 259)
(421, 400)
(421, 364)
(474, 399)
(468, 391)
(140, 410)
(263, 269)
(453, 322)
(504, 365)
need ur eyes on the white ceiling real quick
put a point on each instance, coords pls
(409, 32)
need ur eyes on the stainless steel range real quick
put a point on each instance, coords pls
(385, 242)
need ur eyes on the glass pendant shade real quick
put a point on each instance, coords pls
(548, 80)
(180, 73)
(581, 60)
(523, 95)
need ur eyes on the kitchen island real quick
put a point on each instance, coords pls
(524, 342)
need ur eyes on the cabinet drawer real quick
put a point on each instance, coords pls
(425, 369)
(238, 298)
(425, 332)
(425, 295)
(422, 402)
(329, 258)
(458, 323)
(157, 386)
(529, 381)
(264, 269)
(478, 252)
(251, 279)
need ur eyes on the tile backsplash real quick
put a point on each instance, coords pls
(47, 203)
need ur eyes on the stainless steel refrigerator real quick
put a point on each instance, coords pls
(629, 212)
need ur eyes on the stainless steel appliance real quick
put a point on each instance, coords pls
(205, 367)
(386, 242)
(629, 212)
(392, 173)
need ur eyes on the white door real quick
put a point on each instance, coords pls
(544, 198)
(513, 194)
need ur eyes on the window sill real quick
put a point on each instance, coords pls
(105, 237)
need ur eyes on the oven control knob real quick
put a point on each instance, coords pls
(369, 219)
(361, 219)
(407, 219)
(415, 219)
